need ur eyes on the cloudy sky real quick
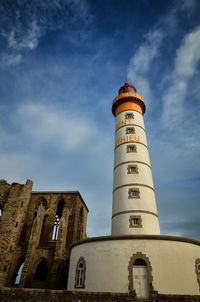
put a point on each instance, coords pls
(61, 65)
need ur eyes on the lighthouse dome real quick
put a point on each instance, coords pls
(127, 87)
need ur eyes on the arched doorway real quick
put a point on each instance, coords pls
(41, 271)
(140, 275)
(140, 278)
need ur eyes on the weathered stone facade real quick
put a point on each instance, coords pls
(42, 295)
(36, 230)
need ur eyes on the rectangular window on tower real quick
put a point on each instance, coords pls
(130, 130)
(135, 221)
(132, 169)
(129, 116)
(133, 193)
(131, 148)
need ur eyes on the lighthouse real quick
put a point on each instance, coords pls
(134, 208)
(135, 263)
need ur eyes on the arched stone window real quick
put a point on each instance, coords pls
(41, 271)
(140, 275)
(197, 269)
(42, 202)
(80, 225)
(1, 212)
(18, 271)
(57, 219)
(80, 273)
(44, 231)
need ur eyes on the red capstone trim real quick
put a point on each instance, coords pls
(127, 85)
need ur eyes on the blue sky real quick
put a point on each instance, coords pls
(61, 65)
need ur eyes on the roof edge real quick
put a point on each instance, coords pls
(62, 192)
(139, 237)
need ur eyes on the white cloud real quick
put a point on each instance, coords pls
(188, 5)
(184, 8)
(11, 59)
(188, 55)
(146, 53)
(185, 67)
(146, 56)
(141, 62)
(45, 123)
(22, 25)
(28, 40)
(19, 40)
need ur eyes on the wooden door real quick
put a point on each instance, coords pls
(140, 281)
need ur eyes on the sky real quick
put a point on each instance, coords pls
(61, 65)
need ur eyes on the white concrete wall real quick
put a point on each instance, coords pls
(123, 181)
(121, 155)
(146, 201)
(138, 132)
(120, 224)
(173, 265)
(143, 176)
(138, 118)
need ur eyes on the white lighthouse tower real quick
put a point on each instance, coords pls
(134, 205)
(135, 261)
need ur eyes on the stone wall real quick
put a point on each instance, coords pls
(15, 199)
(36, 295)
(27, 234)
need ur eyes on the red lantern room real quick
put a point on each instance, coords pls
(128, 99)
(127, 88)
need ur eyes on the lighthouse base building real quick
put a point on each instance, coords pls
(144, 265)
(136, 263)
